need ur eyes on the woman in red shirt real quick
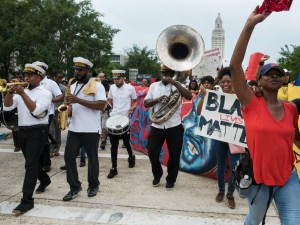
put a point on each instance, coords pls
(270, 127)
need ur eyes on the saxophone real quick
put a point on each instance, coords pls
(64, 108)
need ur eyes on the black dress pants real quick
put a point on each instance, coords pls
(45, 156)
(32, 141)
(16, 138)
(90, 141)
(174, 139)
(114, 141)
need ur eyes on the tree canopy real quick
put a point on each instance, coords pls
(290, 59)
(144, 60)
(53, 31)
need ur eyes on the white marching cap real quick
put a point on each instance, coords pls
(82, 62)
(31, 68)
(41, 64)
(118, 72)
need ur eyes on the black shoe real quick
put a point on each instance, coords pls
(92, 191)
(23, 208)
(64, 167)
(169, 186)
(102, 146)
(47, 169)
(82, 163)
(112, 173)
(155, 182)
(131, 161)
(41, 188)
(17, 149)
(72, 194)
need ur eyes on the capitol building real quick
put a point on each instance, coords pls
(218, 36)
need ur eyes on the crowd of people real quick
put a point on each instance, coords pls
(94, 106)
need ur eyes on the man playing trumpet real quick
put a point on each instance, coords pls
(32, 104)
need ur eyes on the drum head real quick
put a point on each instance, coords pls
(117, 122)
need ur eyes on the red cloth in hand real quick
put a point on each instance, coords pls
(275, 5)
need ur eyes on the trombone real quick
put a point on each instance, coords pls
(6, 87)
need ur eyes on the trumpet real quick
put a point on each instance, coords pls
(6, 87)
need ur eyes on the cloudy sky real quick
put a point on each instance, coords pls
(141, 21)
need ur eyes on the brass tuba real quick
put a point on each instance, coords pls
(64, 108)
(180, 48)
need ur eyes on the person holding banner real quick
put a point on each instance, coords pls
(222, 148)
(271, 128)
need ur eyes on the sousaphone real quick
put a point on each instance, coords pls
(180, 48)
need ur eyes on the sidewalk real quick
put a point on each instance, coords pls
(129, 198)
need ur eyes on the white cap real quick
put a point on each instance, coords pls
(41, 64)
(286, 71)
(82, 62)
(118, 72)
(31, 68)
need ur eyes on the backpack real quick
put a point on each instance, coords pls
(243, 167)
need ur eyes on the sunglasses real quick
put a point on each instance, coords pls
(117, 78)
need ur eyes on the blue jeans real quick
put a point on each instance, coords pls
(222, 151)
(286, 198)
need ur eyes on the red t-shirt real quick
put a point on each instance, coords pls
(270, 142)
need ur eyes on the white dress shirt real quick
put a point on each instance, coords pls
(86, 120)
(121, 97)
(157, 90)
(53, 87)
(42, 99)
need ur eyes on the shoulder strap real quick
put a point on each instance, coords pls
(268, 204)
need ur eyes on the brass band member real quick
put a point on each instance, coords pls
(120, 96)
(57, 96)
(84, 128)
(170, 130)
(33, 130)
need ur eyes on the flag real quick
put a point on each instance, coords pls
(275, 6)
(297, 81)
(252, 65)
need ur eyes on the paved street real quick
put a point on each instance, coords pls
(129, 198)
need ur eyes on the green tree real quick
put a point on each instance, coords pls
(144, 60)
(290, 59)
(55, 31)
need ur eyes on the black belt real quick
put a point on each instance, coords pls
(33, 126)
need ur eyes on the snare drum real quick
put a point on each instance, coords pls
(117, 124)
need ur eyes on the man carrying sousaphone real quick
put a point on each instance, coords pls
(120, 96)
(32, 105)
(166, 125)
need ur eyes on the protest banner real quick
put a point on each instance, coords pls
(221, 119)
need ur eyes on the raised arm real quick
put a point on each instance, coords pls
(243, 93)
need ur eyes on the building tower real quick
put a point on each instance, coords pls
(218, 37)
